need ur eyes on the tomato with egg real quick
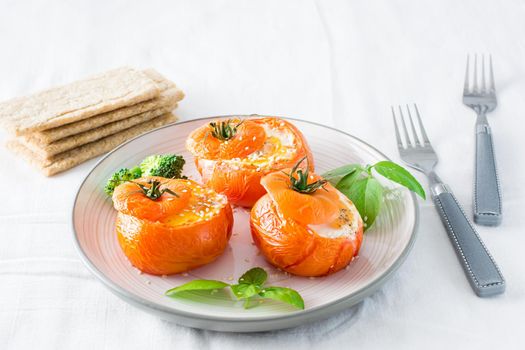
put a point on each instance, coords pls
(233, 155)
(304, 225)
(168, 226)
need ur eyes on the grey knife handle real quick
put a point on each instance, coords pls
(487, 196)
(482, 272)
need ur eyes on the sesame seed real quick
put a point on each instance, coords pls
(254, 138)
(148, 282)
(230, 278)
(246, 148)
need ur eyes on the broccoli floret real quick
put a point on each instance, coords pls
(121, 176)
(166, 165)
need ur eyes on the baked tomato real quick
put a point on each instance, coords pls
(305, 226)
(167, 226)
(233, 155)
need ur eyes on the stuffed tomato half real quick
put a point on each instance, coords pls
(233, 155)
(168, 226)
(305, 226)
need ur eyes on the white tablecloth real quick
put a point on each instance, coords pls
(342, 63)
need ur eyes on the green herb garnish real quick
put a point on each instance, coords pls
(154, 192)
(359, 184)
(163, 165)
(224, 130)
(250, 287)
(299, 179)
(121, 176)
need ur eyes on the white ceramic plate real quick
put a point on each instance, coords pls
(384, 248)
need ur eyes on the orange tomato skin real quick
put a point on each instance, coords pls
(294, 248)
(241, 184)
(129, 199)
(313, 208)
(160, 249)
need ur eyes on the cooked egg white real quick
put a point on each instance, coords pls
(345, 225)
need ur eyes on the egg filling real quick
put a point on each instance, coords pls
(280, 145)
(344, 225)
(203, 204)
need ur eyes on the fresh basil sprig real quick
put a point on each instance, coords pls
(250, 286)
(359, 184)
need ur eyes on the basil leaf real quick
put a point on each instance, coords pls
(286, 295)
(347, 181)
(400, 175)
(245, 290)
(335, 175)
(367, 196)
(255, 276)
(197, 285)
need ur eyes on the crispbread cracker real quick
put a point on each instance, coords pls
(65, 144)
(71, 158)
(79, 100)
(169, 96)
(168, 99)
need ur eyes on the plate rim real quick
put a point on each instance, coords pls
(136, 300)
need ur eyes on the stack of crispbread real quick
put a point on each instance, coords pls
(62, 127)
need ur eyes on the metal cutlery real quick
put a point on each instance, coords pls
(481, 97)
(482, 272)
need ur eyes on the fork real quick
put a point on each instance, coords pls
(482, 272)
(481, 97)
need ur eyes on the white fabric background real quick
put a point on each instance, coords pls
(342, 63)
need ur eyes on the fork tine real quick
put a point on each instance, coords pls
(405, 130)
(491, 77)
(483, 86)
(416, 139)
(466, 86)
(421, 127)
(475, 86)
(398, 136)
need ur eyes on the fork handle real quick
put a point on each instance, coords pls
(482, 272)
(487, 196)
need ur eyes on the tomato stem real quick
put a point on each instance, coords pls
(154, 192)
(224, 130)
(300, 183)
